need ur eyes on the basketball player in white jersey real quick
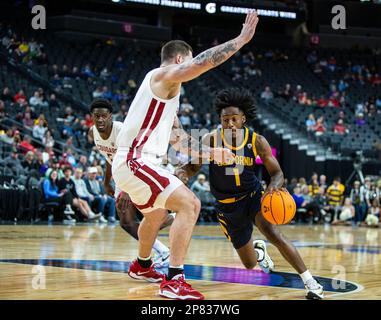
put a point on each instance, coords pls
(103, 133)
(143, 141)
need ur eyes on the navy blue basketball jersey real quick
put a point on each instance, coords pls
(229, 181)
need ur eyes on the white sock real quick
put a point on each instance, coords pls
(178, 267)
(145, 259)
(159, 247)
(260, 254)
(306, 275)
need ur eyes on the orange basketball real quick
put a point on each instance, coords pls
(278, 208)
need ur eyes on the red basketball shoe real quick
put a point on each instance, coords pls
(177, 288)
(136, 271)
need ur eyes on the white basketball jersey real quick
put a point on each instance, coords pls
(147, 128)
(108, 147)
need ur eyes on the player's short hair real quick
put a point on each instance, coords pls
(236, 97)
(173, 48)
(101, 104)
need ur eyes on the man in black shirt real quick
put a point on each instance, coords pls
(66, 183)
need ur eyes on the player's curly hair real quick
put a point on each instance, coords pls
(102, 104)
(236, 97)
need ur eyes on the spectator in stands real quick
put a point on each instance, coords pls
(97, 93)
(2, 110)
(30, 163)
(201, 188)
(304, 100)
(35, 100)
(312, 57)
(300, 203)
(87, 72)
(48, 140)
(313, 188)
(104, 74)
(7, 137)
(286, 93)
(360, 121)
(323, 182)
(335, 195)
(84, 194)
(96, 188)
(26, 144)
(347, 213)
(6, 96)
(302, 183)
(319, 127)
(373, 217)
(357, 196)
(185, 119)
(42, 166)
(372, 193)
(14, 163)
(120, 64)
(47, 154)
(69, 114)
(63, 197)
(88, 121)
(267, 94)
(41, 117)
(208, 123)
(66, 183)
(378, 103)
(185, 106)
(28, 122)
(39, 130)
(292, 185)
(121, 114)
(71, 158)
(20, 98)
(67, 130)
(322, 102)
(64, 162)
(333, 101)
(372, 111)
(340, 127)
(53, 103)
(342, 86)
(82, 163)
(17, 140)
(106, 93)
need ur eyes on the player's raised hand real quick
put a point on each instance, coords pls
(222, 155)
(248, 28)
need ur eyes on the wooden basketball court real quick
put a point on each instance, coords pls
(90, 262)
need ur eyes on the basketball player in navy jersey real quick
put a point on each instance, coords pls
(103, 133)
(239, 192)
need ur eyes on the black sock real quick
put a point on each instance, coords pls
(172, 272)
(145, 263)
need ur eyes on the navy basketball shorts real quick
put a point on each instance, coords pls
(236, 219)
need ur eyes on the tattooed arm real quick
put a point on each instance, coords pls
(193, 166)
(271, 164)
(211, 58)
(184, 143)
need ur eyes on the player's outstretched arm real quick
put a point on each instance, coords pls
(184, 143)
(270, 162)
(210, 58)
